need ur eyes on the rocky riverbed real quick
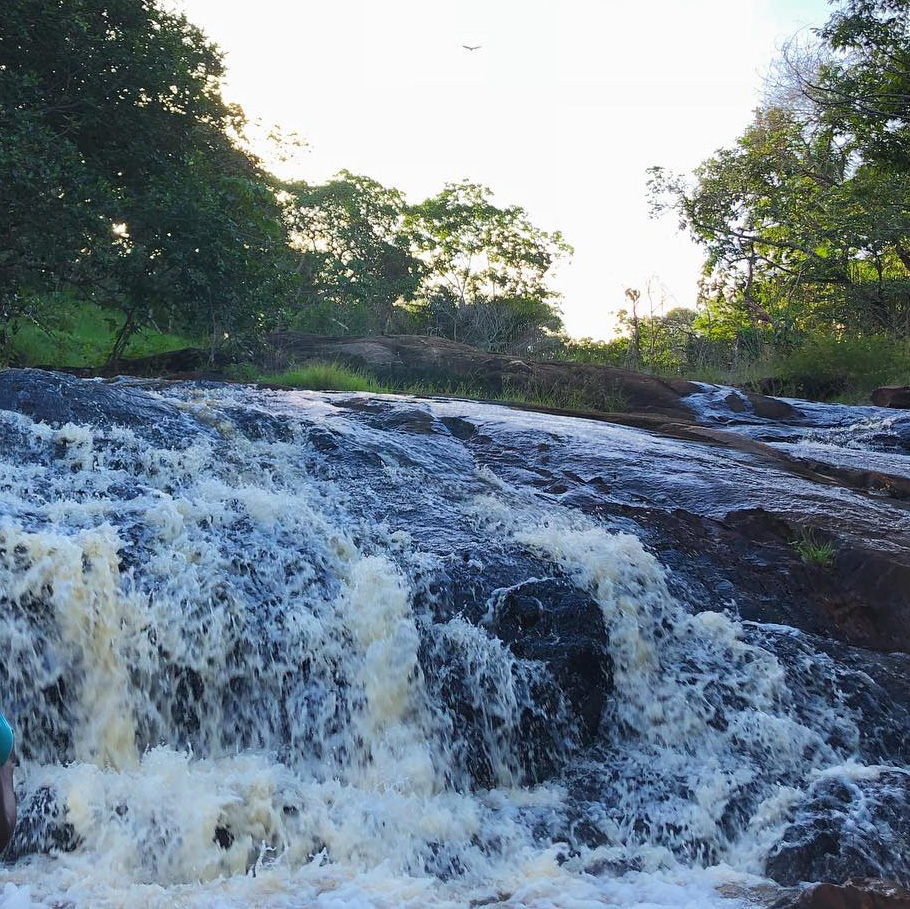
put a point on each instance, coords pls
(266, 646)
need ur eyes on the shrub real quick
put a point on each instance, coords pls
(824, 367)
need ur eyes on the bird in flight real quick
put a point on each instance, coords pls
(469, 47)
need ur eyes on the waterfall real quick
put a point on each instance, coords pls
(274, 647)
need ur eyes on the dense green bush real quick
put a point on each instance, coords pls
(827, 367)
(65, 330)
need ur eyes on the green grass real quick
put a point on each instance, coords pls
(76, 333)
(319, 376)
(812, 550)
(326, 377)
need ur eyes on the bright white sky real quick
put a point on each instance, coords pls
(562, 110)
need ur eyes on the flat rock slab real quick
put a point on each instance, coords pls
(413, 358)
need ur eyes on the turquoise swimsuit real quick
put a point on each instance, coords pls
(6, 740)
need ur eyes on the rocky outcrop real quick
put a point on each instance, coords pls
(892, 396)
(57, 398)
(513, 649)
(413, 358)
(864, 894)
(554, 623)
(562, 672)
(770, 408)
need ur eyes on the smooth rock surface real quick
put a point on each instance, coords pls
(892, 396)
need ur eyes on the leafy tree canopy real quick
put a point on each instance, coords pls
(354, 249)
(806, 219)
(477, 250)
(118, 160)
(124, 177)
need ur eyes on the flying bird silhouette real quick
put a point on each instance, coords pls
(469, 47)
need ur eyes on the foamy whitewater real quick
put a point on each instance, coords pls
(248, 649)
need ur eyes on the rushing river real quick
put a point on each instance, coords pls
(286, 648)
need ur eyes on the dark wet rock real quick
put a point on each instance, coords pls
(561, 673)
(771, 408)
(868, 693)
(861, 598)
(752, 404)
(888, 484)
(554, 622)
(873, 605)
(863, 894)
(892, 396)
(41, 826)
(223, 837)
(744, 560)
(514, 656)
(510, 723)
(259, 425)
(412, 358)
(383, 415)
(459, 428)
(847, 828)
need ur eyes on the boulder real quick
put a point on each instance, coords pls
(417, 358)
(848, 827)
(57, 398)
(769, 408)
(561, 677)
(892, 396)
(552, 621)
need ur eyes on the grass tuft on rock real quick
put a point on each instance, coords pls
(812, 550)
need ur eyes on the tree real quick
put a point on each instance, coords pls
(120, 168)
(862, 87)
(481, 258)
(633, 295)
(791, 220)
(354, 252)
(806, 219)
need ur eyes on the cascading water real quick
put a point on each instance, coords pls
(875, 438)
(270, 648)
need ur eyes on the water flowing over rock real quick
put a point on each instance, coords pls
(265, 647)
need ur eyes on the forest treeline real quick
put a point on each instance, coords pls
(128, 184)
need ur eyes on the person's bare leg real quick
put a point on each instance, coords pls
(7, 803)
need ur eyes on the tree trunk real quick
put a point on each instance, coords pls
(123, 336)
(214, 330)
(903, 254)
